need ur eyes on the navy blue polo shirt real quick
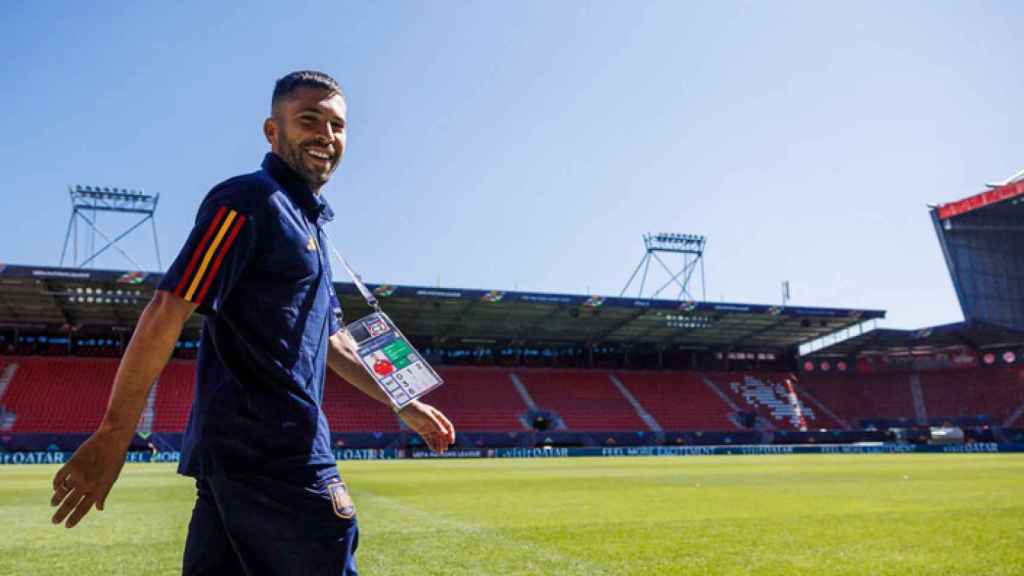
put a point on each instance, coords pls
(255, 266)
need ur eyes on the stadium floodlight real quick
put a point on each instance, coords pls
(88, 201)
(680, 243)
(689, 248)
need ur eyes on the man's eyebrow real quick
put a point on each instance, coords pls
(319, 112)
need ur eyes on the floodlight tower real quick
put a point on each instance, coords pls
(87, 202)
(688, 252)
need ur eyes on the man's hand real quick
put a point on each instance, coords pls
(87, 478)
(427, 421)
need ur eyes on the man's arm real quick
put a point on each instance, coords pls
(437, 431)
(88, 476)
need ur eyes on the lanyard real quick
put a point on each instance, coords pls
(370, 298)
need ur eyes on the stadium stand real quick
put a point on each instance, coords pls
(958, 394)
(768, 396)
(585, 400)
(479, 399)
(57, 395)
(856, 397)
(174, 396)
(678, 400)
(69, 395)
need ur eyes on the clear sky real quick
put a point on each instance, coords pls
(529, 145)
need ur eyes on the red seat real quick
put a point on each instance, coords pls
(59, 395)
(174, 396)
(995, 392)
(678, 400)
(855, 396)
(479, 399)
(585, 399)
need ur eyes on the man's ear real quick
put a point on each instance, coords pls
(270, 131)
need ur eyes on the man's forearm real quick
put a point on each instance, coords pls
(150, 348)
(342, 359)
(435, 429)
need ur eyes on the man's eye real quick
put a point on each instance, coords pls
(338, 127)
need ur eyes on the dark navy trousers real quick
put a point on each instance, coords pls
(256, 526)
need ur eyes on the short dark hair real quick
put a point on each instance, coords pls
(304, 78)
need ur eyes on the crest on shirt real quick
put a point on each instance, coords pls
(311, 245)
(341, 500)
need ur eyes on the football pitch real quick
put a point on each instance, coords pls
(763, 515)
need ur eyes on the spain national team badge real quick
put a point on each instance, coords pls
(377, 327)
(341, 500)
(311, 245)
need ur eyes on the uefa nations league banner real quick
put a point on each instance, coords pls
(43, 457)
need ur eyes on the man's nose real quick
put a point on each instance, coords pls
(325, 132)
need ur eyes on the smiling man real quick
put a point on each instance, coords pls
(269, 497)
(307, 127)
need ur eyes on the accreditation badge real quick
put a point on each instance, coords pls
(391, 360)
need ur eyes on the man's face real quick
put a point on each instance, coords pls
(308, 131)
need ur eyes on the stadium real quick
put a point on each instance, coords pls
(528, 370)
(676, 416)
(532, 376)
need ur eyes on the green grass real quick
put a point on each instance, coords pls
(763, 515)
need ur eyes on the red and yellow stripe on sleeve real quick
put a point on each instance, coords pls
(209, 254)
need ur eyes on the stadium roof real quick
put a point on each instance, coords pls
(54, 299)
(975, 335)
(1009, 193)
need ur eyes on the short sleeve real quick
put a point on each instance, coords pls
(213, 259)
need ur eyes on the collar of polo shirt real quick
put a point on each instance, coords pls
(297, 189)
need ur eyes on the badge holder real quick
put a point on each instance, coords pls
(386, 354)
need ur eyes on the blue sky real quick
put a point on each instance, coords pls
(530, 144)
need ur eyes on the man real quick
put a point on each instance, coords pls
(269, 499)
